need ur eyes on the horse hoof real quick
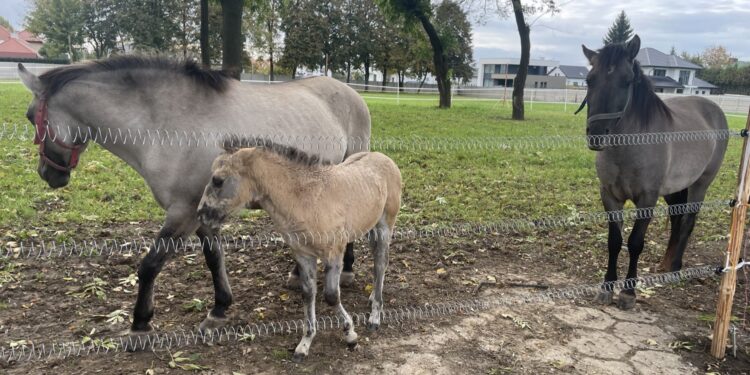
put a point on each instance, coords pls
(347, 279)
(136, 340)
(604, 298)
(625, 301)
(211, 323)
(298, 357)
(293, 283)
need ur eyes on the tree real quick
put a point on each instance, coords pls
(420, 11)
(519, 83)
(303, 35)
(265, 20)
(6, 24)
(620, 31)
(695, 59)
(204, 32)
(100, 24)
(717, 57)
(455, 31)
(233, 39)
(150, 25)
(60, 22)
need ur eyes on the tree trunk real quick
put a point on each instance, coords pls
(385, 78)
(270, 47)
(438, 59)
(424, 78)
(184, 30)
(367, 73)
(401, 76)
(348, 71)
(520, 81)
(231, 11)
(205, 53)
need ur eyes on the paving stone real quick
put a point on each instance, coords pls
(637, 335)
(599, 344)
(648, 362)
(584, 317)
(601, 367)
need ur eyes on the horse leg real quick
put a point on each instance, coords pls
(181, 220)
(149, 268)
(332, 294)
(696, 193)
(614, 245)
(347, 276)
(307, 270)
(626, 299)
(380, 248)
(679, 197)
(214, 255)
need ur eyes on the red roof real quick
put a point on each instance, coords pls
(4, 33)
(17, 48)
(28, 37)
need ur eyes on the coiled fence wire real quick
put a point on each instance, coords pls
(200, 138)
(112, 247)
(395, 316)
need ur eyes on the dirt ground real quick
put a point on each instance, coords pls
(44, 301)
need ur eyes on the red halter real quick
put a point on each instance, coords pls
(43, 130)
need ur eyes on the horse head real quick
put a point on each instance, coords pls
(611, 85)
(229, 190)
(59, 146)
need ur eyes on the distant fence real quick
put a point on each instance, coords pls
(9, 70)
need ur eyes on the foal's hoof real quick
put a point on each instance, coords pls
(211, 323)
(604, 298)
(625, 301)
(293, 283)
(298, 357)
(137, 340)
(347, 279)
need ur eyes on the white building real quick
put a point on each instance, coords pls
(502, 72)
(672, 74)
(574, 75)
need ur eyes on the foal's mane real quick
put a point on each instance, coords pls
(290, 153)
(54, 80)
(644, 103)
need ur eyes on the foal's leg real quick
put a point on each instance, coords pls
(347, 276)
(614, 245)
(626, 299)
(214, 255)
(332, 294)
(308, 271)
(380, 245)
(679, 197)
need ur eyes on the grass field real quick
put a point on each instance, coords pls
(440, 187)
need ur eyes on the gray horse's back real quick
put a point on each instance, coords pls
(686, 110)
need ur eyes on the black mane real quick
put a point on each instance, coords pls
(645, 103)
(290, 153)
(54, 80)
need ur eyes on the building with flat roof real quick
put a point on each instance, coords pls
(502, 73)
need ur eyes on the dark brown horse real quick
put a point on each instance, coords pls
(622, 101)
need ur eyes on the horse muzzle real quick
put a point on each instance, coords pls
(210, 216)
(54, 178)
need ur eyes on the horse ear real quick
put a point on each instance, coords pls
(590, 55)
(32, 82)
(633, 46)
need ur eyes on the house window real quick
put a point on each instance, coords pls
(575, 83)
(704, 93)
(679, 91)
(488, 69)
(660, 72)
(658, 89)
(684, 77)
(536, 84)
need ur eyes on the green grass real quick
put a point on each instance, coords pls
(440, 187)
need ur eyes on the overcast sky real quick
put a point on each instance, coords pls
(688, 25)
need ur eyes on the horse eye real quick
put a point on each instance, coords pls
(217, 181)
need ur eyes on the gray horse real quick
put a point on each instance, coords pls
(622, 101)
(138, 93)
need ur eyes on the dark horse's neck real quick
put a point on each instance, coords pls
(645, 104)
